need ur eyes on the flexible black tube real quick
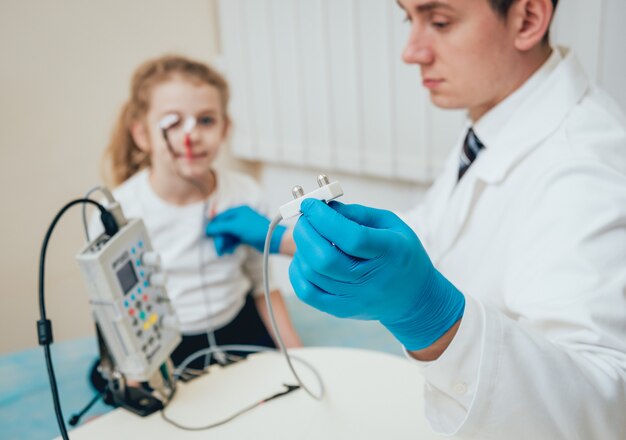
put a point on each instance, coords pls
(44, 327)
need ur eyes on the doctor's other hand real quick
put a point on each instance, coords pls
(242, 224)
(364, 263)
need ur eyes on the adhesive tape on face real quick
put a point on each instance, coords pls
(189, 125)
(168, 120)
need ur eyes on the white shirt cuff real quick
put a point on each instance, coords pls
(452, 379)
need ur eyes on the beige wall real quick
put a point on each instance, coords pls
(65, 70)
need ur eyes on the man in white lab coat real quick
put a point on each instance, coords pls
(513, 299)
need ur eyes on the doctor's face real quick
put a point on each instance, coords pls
(464, 50)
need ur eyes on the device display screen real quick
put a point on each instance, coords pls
(127, 277)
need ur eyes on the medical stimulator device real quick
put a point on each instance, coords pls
(134, 317)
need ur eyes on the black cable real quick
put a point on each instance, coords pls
(76, 417)
(167, 141)
(44, 325)
(289, 389)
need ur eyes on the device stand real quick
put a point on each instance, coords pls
(142, 399)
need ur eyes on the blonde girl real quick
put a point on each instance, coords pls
(161, 160)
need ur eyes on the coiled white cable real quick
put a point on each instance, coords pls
(266, 284)
(252, 348)
(178, 371)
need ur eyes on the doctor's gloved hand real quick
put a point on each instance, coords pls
(364, 263)
(240, 225)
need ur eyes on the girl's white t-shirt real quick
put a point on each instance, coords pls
(207, 291)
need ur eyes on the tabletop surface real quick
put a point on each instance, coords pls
(369, 395)
(25, 391)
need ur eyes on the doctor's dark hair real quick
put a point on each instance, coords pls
(501, 7)
(123, 157)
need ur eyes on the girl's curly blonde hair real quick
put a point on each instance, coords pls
(123, 157)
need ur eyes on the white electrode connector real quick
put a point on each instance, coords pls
(326, 192)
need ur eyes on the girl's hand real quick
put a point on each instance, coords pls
(240, 225)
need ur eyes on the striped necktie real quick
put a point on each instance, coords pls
(471, 149)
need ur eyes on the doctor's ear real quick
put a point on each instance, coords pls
(140, 135)
(531, 20)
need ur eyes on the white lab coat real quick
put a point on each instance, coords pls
(534, 235)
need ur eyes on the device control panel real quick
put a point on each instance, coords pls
(129, 299)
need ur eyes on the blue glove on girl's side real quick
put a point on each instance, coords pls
(240, 225)
(358, 262)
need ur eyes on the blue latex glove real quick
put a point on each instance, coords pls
(240, 225)
(358, 262)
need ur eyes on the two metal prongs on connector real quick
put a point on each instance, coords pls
(297, 191)
(326, 192)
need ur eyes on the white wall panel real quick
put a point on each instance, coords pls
(313, 38)
(261, 73)
(320, 83)
(595, 31)
(577, 24)
(288, 82)
(373, 36)
(410, 100)
(235, 64)
(345, 86)
(612, 69)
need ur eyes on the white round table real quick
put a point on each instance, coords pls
(369, 395)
